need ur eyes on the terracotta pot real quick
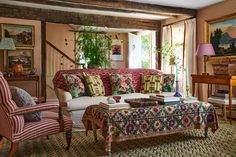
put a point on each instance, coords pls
(17, 69)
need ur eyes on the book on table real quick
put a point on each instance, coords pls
(221, 100)
(189, 99)
(114, 106)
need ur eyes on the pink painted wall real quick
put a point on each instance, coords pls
(29, 86)
(57, 33)
(215, 11)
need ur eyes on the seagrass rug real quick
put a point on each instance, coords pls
(189, 143)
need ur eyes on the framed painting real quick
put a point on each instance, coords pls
(117, 53)
(221, 33)
(23, 35)
(20, 56)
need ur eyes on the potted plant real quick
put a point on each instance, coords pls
(167, 53)
(95, 47)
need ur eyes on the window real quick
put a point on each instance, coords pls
(142, 52)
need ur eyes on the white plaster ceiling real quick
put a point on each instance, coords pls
(192, 4)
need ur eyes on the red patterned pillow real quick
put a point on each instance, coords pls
(74, 85)
(121, 84)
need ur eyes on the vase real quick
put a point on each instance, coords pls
(17, 69)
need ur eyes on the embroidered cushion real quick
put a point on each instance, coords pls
(151, 83)
(22, 98)
(94, 84)
(121, 84)
(168, 82)
(74, 85)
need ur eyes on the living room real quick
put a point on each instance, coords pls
(142, 36)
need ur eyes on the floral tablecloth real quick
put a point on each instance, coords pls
(132, 123)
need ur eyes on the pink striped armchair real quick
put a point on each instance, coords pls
(16, 129)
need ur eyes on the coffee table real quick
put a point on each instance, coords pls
(117, 125)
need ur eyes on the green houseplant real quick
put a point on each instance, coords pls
(167, 53)
(95, 47)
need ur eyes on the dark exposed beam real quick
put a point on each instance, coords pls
(76, 18)
(121, 5)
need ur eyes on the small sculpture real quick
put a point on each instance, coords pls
(110, 100)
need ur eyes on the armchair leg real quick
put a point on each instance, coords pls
(68, 139)
(13, 149)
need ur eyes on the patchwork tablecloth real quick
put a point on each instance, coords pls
(132, 123)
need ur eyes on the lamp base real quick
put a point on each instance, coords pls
(205, 73)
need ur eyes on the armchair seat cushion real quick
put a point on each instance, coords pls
(22, 98)
(48, 125)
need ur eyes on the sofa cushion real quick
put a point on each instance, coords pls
(168, 82)
(121, 83)
(58, 79)
(74, 85)
(82, 102)
(94, 84)
(22, 98)
(151, 84)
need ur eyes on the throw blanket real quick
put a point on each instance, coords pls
(132, 123)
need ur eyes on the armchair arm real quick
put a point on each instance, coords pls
(62, 95)
(38, 107)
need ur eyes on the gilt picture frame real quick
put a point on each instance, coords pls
(22, 35)
(20, 56)
(221, 33)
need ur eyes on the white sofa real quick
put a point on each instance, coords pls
(76, 107)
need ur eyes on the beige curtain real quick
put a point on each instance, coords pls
(166, 37)
(189, 51)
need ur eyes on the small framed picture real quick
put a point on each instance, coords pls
(22, 35)
(117, 50)
(20, 56)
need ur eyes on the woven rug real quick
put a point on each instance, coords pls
(188, 143)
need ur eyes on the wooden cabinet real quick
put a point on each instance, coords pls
(29, 83)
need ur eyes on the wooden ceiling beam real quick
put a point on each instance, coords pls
(118, 5)
(56, 16)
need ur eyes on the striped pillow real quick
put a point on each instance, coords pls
(94, 84)
(151, 83)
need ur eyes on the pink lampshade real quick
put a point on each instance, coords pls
(205, 50)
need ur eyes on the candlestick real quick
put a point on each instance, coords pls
(177, 93)
(187, 79)
(176, 73)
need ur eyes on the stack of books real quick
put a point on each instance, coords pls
(221, 97)
(166, 98)
(114, 106)
(189, 99)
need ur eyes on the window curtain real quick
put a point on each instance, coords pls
(134, 50)
(189, 51)
(166, 37)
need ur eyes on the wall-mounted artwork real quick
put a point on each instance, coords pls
(117, 53)
(23, 35)
(221, 33)
(20, 56)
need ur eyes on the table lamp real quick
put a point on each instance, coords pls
(7, 44)
(205, 49)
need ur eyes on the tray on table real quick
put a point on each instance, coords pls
(140, 102)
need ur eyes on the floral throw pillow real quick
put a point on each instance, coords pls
(168, 82)
(74, 85)
(94, 85)
(121, 84)
(151, 83)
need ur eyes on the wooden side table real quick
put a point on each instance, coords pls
(229, 81)
(20, 78)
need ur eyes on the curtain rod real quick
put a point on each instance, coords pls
(178, 21)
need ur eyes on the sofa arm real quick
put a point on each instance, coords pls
(63, 95)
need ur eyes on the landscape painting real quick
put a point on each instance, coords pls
(222, 35)
(20, 56)
(23, 35)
